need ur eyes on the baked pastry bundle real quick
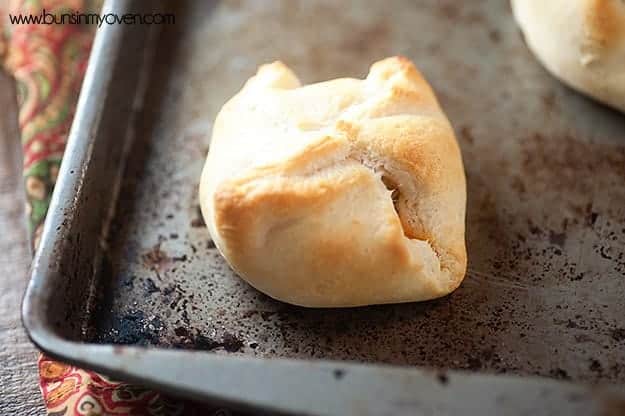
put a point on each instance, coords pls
(341, 193)
(581, 42)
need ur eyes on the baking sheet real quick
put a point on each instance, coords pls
(546, 203)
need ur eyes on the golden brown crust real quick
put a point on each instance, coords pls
(605, 22)
(293, 195)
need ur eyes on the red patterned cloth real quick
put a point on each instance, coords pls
(48, 63)
(68, 390)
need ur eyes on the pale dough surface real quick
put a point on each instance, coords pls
(581, 42)
(341, 193)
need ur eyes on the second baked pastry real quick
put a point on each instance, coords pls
(582, 42)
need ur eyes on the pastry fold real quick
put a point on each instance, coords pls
(342, 193)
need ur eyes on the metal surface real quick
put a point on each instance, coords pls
(545, 228)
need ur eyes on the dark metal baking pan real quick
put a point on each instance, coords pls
(127, 281)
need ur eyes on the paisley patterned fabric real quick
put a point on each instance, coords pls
(48, 63)
(68, 390)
